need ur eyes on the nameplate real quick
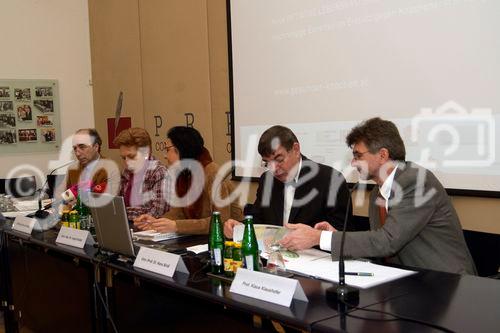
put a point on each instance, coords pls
(24, 224)
(159, 262)
(267, 287)
(74, 237)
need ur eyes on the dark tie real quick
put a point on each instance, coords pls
(382, 212)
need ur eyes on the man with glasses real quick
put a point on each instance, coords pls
(412, 219)
(93, 172)
(295, 191)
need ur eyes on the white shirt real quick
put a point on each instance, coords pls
(325, 241)
(385, 189)
(289, 194)
(88, 170)
(137, 198)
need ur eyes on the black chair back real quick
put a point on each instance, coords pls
(18, 187)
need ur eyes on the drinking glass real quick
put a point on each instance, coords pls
(275, 262)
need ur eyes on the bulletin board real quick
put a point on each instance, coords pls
(29, 116)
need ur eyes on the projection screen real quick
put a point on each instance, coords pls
(320, 67)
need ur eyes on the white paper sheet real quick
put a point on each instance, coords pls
(198, 248)
(326, 269)
(17, 213)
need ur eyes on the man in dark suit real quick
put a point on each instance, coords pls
(295, 191)
(412, 219)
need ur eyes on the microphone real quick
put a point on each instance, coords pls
(41, 212)
(67, 196)
(343, 293)
(72, 193)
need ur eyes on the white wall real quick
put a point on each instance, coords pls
(48, 39)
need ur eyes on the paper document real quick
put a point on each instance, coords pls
(18, 213)
(298, 258)
(326, 269)
(266, 234)
(155, 236)
(29, 205)
(198, 248)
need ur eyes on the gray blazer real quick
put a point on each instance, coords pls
(421, 230)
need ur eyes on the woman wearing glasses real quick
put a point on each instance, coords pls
(193, 173)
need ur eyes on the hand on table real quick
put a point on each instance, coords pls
(300, 237)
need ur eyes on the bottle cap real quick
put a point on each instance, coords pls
(237, 245)
(248, 217)
(228, 243)
(216, 213)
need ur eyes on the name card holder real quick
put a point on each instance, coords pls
(24, 224)
(74, 237)
(160, 262)
(267, 287)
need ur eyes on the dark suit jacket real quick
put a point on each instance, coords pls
(322, 188)
(421, 229)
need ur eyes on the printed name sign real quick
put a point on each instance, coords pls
(160, 262)
(24, 224)
(74, 237)
(267, 287)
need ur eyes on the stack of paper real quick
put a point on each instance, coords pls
(152, 235)
(25, 207)
(29, 205)
(198, 248)
(18, 213)
(318, 264)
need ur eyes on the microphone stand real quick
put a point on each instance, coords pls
(41, 213)
(342, 308)
(343, 293)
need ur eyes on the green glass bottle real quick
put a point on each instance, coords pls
(82, 212)
(216, 244)
(249, 246)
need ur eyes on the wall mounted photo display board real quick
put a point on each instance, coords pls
(30, 118)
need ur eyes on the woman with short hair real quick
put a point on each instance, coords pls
(144, 182)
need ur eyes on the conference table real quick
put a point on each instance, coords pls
(48, 287)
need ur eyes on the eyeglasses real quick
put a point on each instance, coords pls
(167, 148)
(356, 155)
(80, 146)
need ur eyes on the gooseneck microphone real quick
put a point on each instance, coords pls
(41, 212)
(343, 293)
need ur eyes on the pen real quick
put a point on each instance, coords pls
(359, 273)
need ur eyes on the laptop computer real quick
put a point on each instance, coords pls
(111, 224)
(113, 230)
